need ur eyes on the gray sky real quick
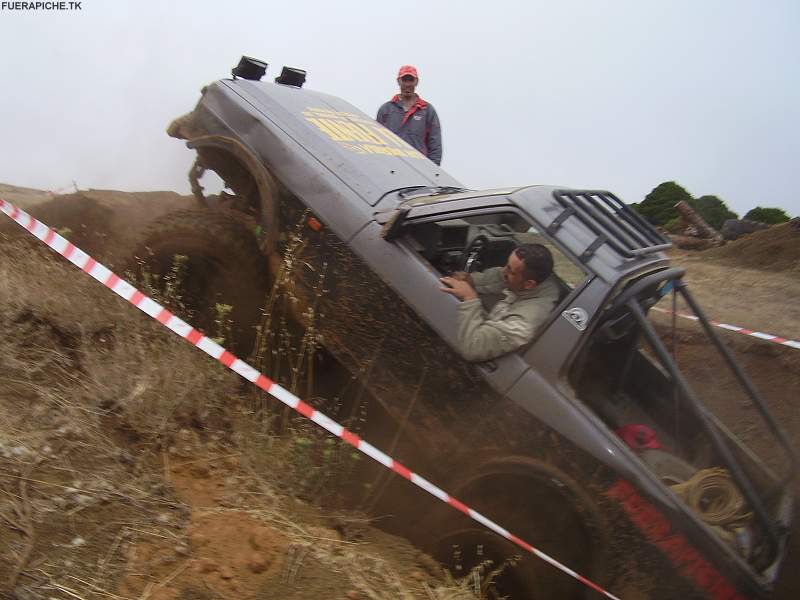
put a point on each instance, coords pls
(616, 95)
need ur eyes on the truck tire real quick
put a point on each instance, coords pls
(223, 265)
(534, 508)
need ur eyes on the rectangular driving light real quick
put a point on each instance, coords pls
(291, 76)
(250, 68)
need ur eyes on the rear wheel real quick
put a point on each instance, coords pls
(197, 263)
(545, 515)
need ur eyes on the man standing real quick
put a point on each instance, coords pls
(411, 118)
(529, 296)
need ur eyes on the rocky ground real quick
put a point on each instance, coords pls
(133, 467)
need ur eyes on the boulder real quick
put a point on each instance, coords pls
(735, 228)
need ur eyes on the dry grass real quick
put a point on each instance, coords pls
(95, 407)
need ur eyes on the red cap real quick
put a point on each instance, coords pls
(407, 70)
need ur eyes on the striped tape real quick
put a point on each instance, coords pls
(125, 290)
(736, 329)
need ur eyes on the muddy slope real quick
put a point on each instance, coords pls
(131, 466)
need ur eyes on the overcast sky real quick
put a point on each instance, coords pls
(615, 95)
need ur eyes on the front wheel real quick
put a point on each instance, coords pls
(205, 266)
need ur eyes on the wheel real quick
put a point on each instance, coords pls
(475, 253)
(541, 513)
(195, 261)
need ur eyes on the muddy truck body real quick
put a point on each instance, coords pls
(582, 443)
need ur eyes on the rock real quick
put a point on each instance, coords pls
(257, 563)
(83, 499)
(201, 470)
(735, 228)
(124, 457)
(226, 573)
(254, 542)
(20, 452)
(206, 565)
(104, 485)
(261, 538)
(69, 431)
(197, 540)
(77, 542)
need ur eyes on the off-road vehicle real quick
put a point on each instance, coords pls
(588, 442)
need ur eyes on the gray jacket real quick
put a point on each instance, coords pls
(419, 126)
(511, 323)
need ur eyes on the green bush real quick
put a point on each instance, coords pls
(675, 225)
(771, 216)
(713, 210)
(658, 206)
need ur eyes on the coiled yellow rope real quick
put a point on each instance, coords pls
(712, 494)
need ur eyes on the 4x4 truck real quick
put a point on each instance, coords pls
(588, 442)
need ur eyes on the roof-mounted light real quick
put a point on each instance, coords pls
(291, 76)
(250, 68)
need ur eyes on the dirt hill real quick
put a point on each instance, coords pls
(774, 249)
(132, 466)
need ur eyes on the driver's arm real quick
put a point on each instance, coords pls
(489, 281)
(480, 338)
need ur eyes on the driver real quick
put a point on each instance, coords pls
(529, 296)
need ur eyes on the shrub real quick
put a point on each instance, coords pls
(771, 216)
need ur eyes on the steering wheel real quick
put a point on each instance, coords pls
(475, 253)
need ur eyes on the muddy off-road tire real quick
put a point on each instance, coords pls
(223, 265)
(550, 517)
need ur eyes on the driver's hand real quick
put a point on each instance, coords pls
(463, 276)
(461, 289)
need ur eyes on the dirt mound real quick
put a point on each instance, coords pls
(103, 223)
(24, 197)
(774, 249)
(129, 465)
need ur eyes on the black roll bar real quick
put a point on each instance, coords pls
(743, 378)
(638, 297)
(738, 474)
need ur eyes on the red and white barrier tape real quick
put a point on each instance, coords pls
(125, 290)
(736, 329)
